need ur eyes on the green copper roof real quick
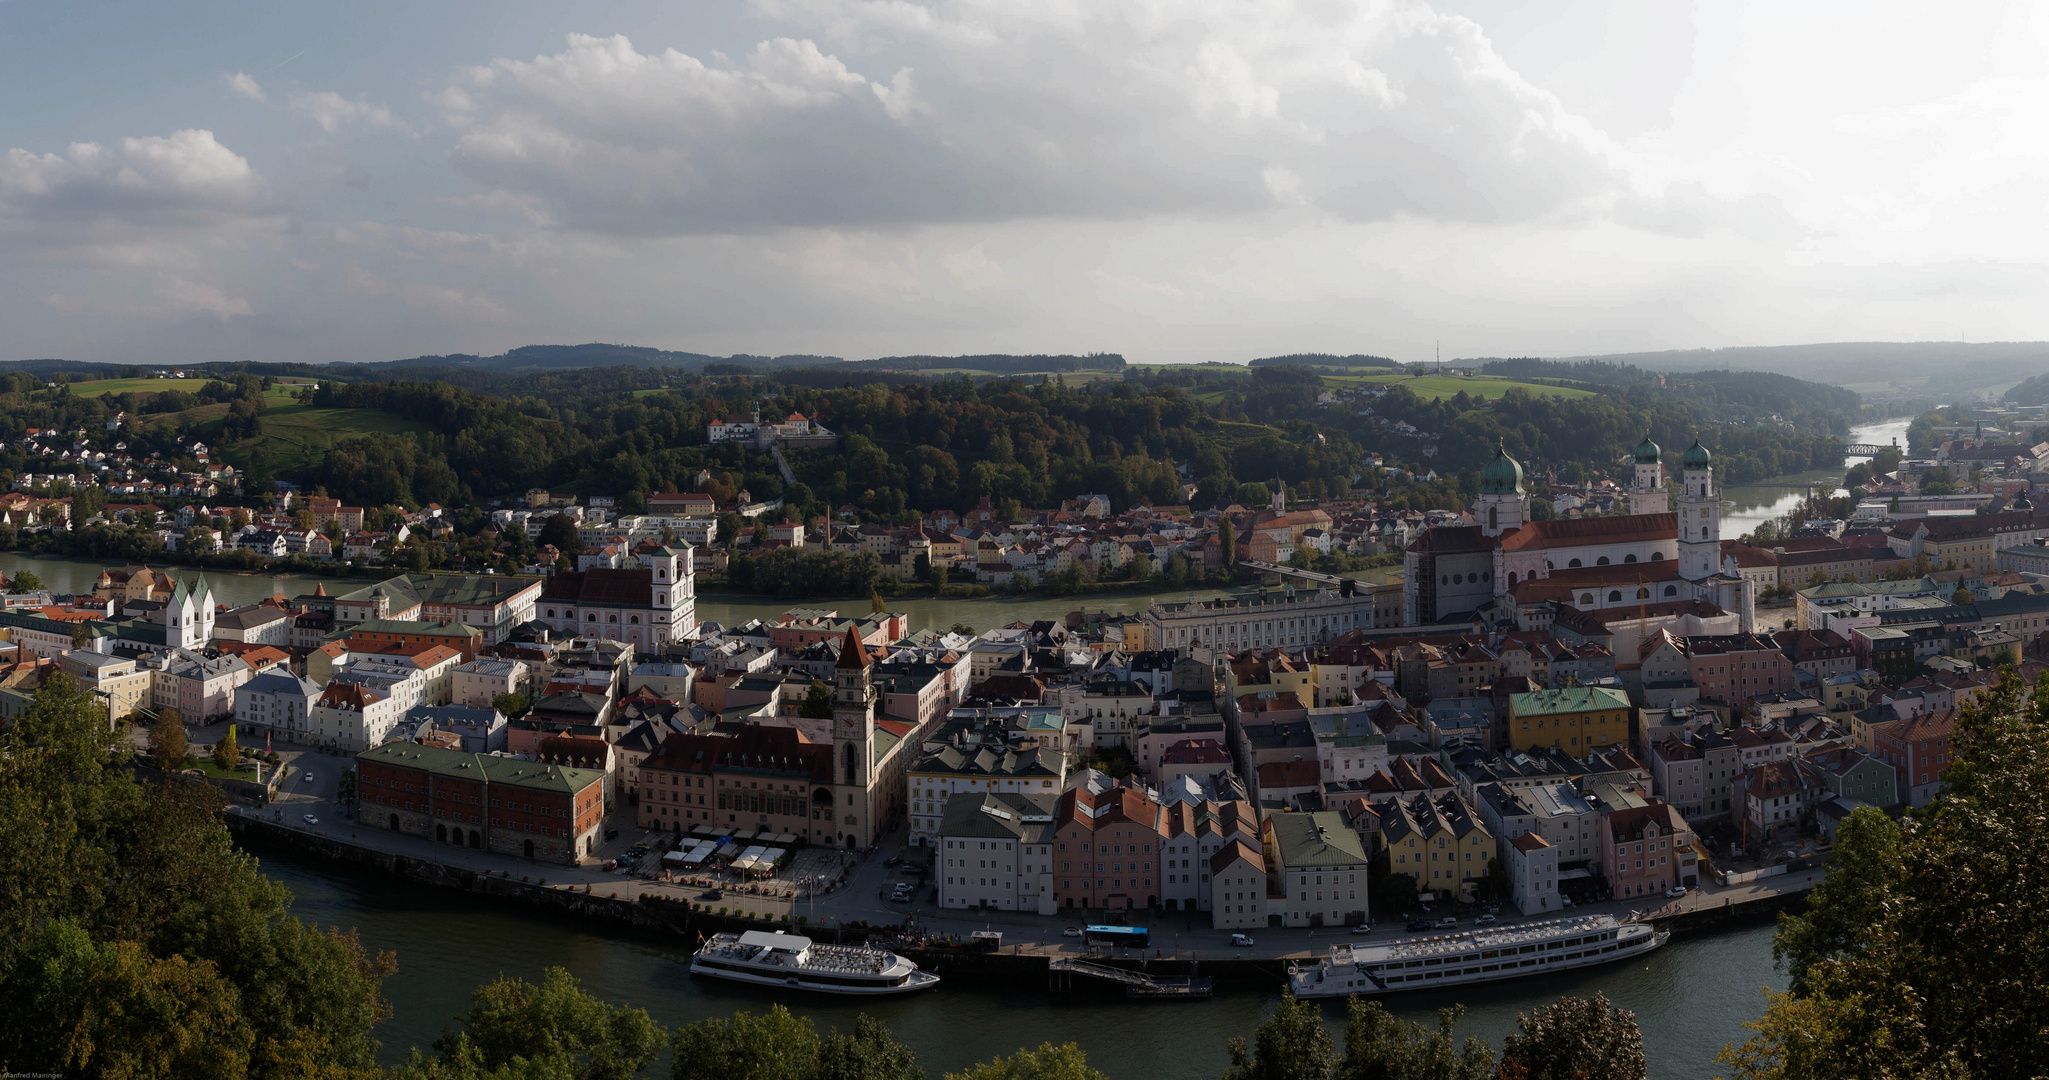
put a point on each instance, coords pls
(1647, 452)
(1501, 476)
(1697, 456)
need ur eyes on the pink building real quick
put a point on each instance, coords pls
(1646, 850)
(1106, 849)
(1734, 668)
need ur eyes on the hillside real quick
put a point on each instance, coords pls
(1939, 368)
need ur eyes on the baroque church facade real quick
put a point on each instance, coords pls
(1655, 554)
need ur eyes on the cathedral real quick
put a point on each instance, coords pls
(1506, 563)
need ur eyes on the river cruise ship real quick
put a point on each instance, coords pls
(1474, 956)
(790, 960)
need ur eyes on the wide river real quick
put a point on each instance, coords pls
(1690, 997)
(1747, 506)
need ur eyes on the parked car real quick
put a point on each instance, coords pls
(1363, 928)
(1485, 920)
(1243, 941)
(911, 871)
(1449, 922)
(311, 820)
(1072, 931)
(892, 860)
(309, 776)
(1676, 891)
(712, 894)
(1420, 926)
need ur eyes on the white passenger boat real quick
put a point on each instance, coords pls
(797, 962)
(1474, 956)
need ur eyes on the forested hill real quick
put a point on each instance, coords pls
(1948, 367)
(532, 358)
(1752, 394)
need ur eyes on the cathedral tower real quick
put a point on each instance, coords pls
(1700, 515)
(1503, 506)
(1648, 495)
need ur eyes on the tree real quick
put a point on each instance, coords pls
(1048, 1062)
(1848, 900)
(512, 1021)
(1940, 978)
(560, 530)
(773, 1046)
(167, 743)
(817, 702)
(512, 704)
(1227, 536)
(876, 606)
(302, 519)
(1576, 1037)
(1381, 1046)
(238, 520)
(226, 752)
(81, 635)
(27, 581)
(1292, 1044)
(872, 1052)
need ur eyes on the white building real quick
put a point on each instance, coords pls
(1533, 874)
(995, 850)
(1239, 871)
(276, 703)
(1269, 619)
(352, 718)
(478, 683)
(1196, 832)
(1322, 867)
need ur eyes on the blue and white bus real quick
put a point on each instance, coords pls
(1124, 937)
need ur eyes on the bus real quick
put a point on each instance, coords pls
(1124, 937)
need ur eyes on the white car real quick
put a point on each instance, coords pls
(1072, 931)
(1676, 891)
(311, 820)
(1242, 940)
(309, 776)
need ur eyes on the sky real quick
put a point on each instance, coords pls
(1173, 180)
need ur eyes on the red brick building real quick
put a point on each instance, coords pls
(531, 809)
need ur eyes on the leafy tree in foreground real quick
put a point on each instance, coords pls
(556, 1025)
(167, 743)
(775, 1045)
(1382, 1046)
(1927, 959)
(1574, 1038)
(1292, 1044)
(1048, 1062)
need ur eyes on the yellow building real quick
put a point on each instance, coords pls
(1441, 842)
(1575, 719)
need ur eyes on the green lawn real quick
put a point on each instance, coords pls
(1444, 386)
(212, 768)
(281, 391)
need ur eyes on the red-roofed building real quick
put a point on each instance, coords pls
(1918, 750)
(1107, 849)
(1646, 850)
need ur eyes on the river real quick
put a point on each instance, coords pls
(78, 575)
(1691, 998)
(1746, 506)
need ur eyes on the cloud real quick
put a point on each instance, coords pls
(334, 112)
(186, 177)
(889, 114)
(241, 83)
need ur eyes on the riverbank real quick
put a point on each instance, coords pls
(234, 587)
(571, 893)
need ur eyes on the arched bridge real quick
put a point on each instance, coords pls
(1864, 449)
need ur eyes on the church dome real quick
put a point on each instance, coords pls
(1647, 452)
(1697, 456)
(1501, 476)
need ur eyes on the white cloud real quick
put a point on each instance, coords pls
(984, 111)
(334, 112)
(185, 177)
(241, 83)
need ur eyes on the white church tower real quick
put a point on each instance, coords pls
(188, 616)
(1700, 515)
(1503, 504)
(1648, 495)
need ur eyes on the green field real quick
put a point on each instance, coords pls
(282, 391)
(295, 436)
(1443, 386)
